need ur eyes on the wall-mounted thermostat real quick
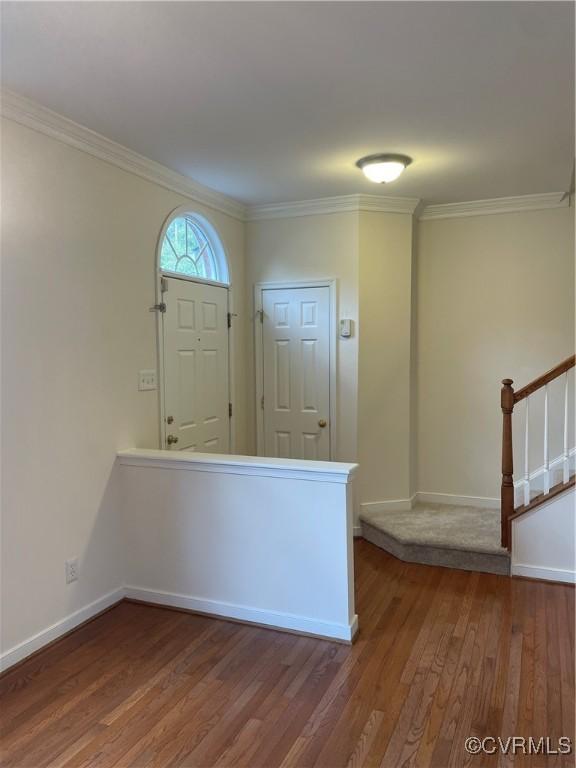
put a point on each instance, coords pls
(345, 329)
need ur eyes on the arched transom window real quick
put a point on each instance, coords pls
(191, 250)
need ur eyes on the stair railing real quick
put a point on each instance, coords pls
(508, 399)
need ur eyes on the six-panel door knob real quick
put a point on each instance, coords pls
(322, 423)
(171, 439)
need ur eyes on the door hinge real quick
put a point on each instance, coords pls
(262, 402)
(158, 307)
(229, 319)
(229, 410)
(163, 284)
(261, 315)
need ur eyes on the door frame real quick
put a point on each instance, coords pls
(160, 347)
(332, 285)
(159, 273)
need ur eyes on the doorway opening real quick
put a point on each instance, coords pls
(193, 290)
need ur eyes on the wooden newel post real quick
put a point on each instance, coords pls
(507, 489)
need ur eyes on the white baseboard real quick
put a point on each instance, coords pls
(388, 505)
(25, 648)
(463, 501)
(546, 574)
(302, 624)
(402, 505)
(357, 531)
(272, 619)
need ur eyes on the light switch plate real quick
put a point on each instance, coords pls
(147, 380)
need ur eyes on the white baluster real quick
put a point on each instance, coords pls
(546, 456)
(565, 464)
(526, 454)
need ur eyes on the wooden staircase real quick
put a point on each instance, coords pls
(531, 500)
(472, 538)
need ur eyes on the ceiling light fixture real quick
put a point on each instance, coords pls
(383, 168)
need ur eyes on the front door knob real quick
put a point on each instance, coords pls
(322, 423)
(171, 439)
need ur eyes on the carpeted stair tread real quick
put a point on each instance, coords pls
(440, 534)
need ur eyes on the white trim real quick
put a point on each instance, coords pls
(537, 477)
(33, 115)
(232, 368)
(423, 497)
(332, 285)
(496, 205)
(339, 204)
(357, 531)
(546, 574)
(555, 465)
(244, 613)
(36, 642)
(160, 356)
(192, 279)
(287, 469)
(488, 502)
(389, 505)
(40, 118)
(407, 205)
(302, 624)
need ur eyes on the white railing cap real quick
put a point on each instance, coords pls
(259, 466)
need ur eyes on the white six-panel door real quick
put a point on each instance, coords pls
(196, 391)
(296, 372)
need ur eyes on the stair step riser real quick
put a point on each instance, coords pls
(435, 555)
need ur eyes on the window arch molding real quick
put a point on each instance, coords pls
(189, 247)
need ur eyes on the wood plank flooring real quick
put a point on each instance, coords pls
(441, 655)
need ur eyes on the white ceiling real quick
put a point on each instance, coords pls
(275, 101)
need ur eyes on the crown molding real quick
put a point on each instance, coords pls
(541, 202)
(387, 204)
(340, 204)
(33, 115)
(22, 110)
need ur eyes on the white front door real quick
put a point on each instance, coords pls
(196, 391)
(296, 372)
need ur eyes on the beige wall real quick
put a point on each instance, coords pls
(313, 247)
(495, 299)
(487, 297)
(384, 401)
(78, 246)
(445, 310)
(371, 256)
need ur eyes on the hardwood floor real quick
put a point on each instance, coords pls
(441, 655)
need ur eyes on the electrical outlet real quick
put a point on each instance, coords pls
(147, 380)
(71, 570)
